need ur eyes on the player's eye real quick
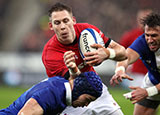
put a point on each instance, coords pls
(66, 20)
(147, 35)
(57, 22)
(154, 35)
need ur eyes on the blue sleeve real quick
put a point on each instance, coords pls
(46, 99)
(51, 99)
(139, 45)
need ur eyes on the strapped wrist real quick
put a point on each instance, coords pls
(122, 68)
(152, 91)
(112, 53)
(74, 73)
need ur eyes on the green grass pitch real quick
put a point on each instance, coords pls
(9, 94)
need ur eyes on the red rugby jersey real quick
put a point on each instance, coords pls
(53, 52)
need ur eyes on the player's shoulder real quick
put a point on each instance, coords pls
(82, 26)
(53, 81)
(141, 38)
(79, 27)
(57, 78)
(50, 42)
(140, 43)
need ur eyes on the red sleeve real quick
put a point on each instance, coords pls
(54, 67)
(126, 40)
(53, 61)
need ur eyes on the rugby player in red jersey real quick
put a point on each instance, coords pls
(65, 41)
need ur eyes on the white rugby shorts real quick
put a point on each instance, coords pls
(147, 83)
(104, 105)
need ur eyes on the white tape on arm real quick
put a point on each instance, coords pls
(152, 91)
(128, 95)
(112, 53)
(73, 73)
(122, 68)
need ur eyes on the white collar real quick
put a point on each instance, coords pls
(68, 93)
(157, 52)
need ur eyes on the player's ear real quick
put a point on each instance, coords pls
(50, 26)
(74, 20)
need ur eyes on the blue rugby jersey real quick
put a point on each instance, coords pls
(50, 94)
(148, 58)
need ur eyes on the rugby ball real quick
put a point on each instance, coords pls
(88, 37)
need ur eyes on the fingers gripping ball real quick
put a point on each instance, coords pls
(88, 37)
(87, 83)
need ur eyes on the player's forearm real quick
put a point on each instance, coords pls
(132, 56)
(117, 54)
(120, 52)
(123, 63)
(31, 107)
(158, 87)
(74, 72)
(153, 90)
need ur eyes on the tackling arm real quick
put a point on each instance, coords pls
(31, 107)
(120, 53)
(132, 57)
(122, 66)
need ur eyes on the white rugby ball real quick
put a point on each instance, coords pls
(88, 37)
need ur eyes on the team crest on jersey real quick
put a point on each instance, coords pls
(148, 61)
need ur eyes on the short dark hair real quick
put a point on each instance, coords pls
(152, 20)
(59, 7)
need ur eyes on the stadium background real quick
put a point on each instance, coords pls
(24, 31)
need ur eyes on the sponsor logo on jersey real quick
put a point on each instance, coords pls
(86, 42)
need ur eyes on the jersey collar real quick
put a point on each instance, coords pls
(68, 93)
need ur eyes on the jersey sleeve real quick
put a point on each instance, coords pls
(47, 100)
(53, 62)
(55, 68)
(50, 97)
(139, 45)
(44, 99)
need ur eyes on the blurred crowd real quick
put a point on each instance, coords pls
(3, 8)
(24, 24)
